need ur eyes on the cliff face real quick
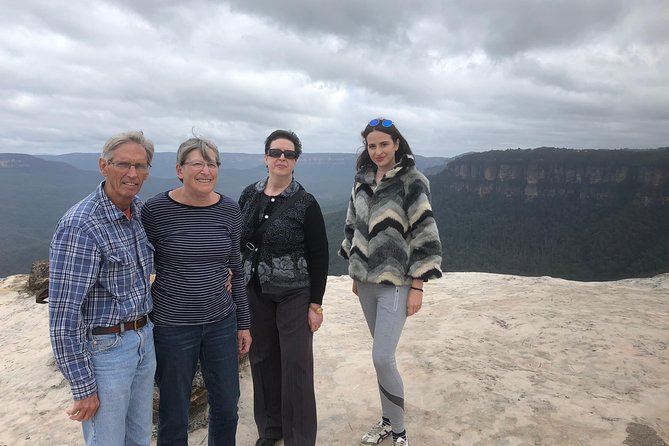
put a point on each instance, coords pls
(576, 214)
(639, 176)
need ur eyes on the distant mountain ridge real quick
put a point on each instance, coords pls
(575, 214)
(328, 176)
(34, 194)
(163, 162)
(36, 191)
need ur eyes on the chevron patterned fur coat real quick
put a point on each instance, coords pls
(391, 236)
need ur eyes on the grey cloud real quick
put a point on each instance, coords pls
(456, 76)
(500, 28)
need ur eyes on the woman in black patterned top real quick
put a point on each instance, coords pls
(285, 288)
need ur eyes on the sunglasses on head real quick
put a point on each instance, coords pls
(384, 122)
(288, 154)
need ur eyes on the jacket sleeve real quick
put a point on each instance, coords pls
(424, 242)
(349, 228)
(317, 251)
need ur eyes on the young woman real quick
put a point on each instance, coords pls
(286, 283)
(392, 245)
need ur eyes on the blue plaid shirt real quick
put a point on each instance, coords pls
(99, 267)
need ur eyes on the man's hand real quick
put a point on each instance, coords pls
(243, 341)
(83, 410)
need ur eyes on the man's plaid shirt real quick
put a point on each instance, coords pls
(99, 267)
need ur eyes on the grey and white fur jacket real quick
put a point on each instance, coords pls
(391, 236)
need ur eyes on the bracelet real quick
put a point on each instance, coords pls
(417, 289)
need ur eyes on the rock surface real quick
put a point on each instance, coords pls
(489, 360)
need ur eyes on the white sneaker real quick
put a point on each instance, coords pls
(401, 441)
(377, 434)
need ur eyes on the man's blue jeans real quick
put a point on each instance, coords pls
(178, 349)
(124, 366)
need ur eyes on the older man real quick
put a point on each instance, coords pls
(99, 299)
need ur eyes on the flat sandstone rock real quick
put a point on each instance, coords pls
(489, 360)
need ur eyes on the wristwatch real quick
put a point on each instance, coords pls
(317, 310)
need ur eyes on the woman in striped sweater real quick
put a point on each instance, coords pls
(392, 245)
(195, 232)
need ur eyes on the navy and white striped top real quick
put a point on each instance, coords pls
(194, 247)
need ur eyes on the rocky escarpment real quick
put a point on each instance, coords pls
(638, 176)
(576, 214)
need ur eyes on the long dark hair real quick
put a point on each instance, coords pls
(364, 160)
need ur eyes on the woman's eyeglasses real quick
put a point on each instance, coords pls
(384, 122)
(276, 153)
(199, 165)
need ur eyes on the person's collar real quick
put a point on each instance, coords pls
(367, 175)
(293, 187)
(110, 209)
(404, 163)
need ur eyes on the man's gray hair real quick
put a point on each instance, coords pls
(127, 137)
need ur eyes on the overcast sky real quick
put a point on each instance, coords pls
(455, 76)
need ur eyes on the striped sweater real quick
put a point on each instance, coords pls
(391, 236)
(194, 247)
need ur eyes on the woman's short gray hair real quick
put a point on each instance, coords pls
(200, 144)
(135, 136)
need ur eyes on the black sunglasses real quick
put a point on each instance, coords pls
(384, 122)
(276, 153)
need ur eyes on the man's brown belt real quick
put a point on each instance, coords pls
(134, 325)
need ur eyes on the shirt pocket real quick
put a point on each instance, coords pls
(119, 274)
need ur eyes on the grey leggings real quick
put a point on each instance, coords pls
(384, 307)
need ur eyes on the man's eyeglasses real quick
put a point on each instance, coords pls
(125, 166)
(384, 122)
(199, 165)
(276, 153)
